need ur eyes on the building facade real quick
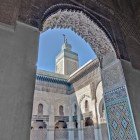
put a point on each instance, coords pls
(68, 104)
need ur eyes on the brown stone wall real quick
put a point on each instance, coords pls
(9, 11)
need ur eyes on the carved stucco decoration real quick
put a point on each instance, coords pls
(83, 97)
(83, 26)
(113, 76)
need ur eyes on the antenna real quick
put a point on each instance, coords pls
(65, 39)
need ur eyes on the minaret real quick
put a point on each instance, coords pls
(66, 60)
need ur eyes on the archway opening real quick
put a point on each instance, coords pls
(60, 125)
(88, 121)
(100, 43)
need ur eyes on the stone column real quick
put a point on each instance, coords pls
(99, 123)
(80, 126)
(71, 128)
(82, 131)
(51, 126)
(120, 119)
(97, 129)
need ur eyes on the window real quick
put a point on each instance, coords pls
(75, 109)
(86, 106)
(40, 109)
(61, 113)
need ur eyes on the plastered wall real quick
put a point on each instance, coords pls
(18, 55)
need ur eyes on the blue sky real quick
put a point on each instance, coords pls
(50, 45)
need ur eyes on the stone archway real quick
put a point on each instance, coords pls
(18, 59)
(84, 27)
(118, 109)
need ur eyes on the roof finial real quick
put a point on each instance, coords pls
(65, 39)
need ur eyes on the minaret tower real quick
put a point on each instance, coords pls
(66, 60)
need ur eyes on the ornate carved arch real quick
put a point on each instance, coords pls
(83, 26)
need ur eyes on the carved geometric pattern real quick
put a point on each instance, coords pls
(83, 26)
(51, 84)
(113, 76)
(64, 118)
(120, 119)
(82, 97)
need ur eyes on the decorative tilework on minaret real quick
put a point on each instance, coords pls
(66, 60)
